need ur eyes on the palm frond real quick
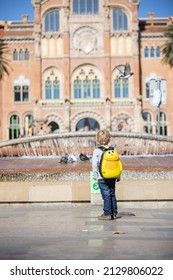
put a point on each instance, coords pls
(167, 48)
(4, 66)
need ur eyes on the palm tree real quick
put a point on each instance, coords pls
(167, 49)
(3, 61)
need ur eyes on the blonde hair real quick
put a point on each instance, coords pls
(103, 137)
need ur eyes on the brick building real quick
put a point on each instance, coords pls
(63, 69)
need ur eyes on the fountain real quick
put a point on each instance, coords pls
(76, 143)
(30, 168)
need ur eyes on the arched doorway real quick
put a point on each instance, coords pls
(54, 127)
(87, 124)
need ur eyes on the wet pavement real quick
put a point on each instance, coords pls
(47, 164)
(72, 231)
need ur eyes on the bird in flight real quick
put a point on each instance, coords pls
(125, 71)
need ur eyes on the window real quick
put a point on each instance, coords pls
(87, 124)
(121, 88)
(158, 52)
(163, 124)
(52, 88)
(96, 88)
(86, 88)
(146, 52)
(56, 88)
(147, 90)
(15, 55)
(14, 130)
(26, 54)
(86, 82)
(125, 86)
(21, 93)
(83, 7)
(119, 20)
(52, 21)
(28, 125)
(21, 55)
(77, 89)
(152, 52)
(148, 124)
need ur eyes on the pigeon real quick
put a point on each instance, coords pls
(68, 158)
(125, 71)
(83, 157)
(64, 158)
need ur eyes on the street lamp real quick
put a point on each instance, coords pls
(157, 88)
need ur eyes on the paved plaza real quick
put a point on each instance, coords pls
(72, 231)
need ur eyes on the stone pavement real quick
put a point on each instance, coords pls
(72, 232)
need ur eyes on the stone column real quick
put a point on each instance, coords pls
(108, 107)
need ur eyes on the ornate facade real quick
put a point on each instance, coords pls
(63, 69)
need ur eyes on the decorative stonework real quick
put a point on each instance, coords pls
(87, 114)
(85, 40)
(123, 122)
(56, 119)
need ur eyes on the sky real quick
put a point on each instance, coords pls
(14, 9)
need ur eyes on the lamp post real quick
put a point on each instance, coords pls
(157, 88)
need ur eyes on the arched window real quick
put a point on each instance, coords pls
(163, 123)
(21, 55)
(120, 21)
(87, 124)
(117, 88)
(147, 90)
(51, 23)
(125, 86)
(77, 89)
(28, 125)
(87, 88)
(148, 122)
(21, 93)
(85, 7)
(152, 52)
(52, 84)
(121, 88)
(15, 55)
(86, 84)
(146, 52)
(158, 51)
(56, 89)
(96, 88)
(52, 88)
(48, 88)
(26, 54)
(14, 130)
(54, 127)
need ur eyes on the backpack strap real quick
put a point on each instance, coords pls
(105, 149)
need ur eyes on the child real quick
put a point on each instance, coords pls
(107, 186)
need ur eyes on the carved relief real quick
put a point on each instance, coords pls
(123, 122)
(85, 40)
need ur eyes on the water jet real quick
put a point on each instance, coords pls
(30, 169)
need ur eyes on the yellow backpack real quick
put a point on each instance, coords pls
(110, 164)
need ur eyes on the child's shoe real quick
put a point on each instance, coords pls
(105, 217)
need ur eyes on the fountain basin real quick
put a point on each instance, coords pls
(44, 180)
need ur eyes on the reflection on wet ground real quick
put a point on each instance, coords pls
(72, 231)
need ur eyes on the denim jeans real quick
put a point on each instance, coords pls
(107, 188)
